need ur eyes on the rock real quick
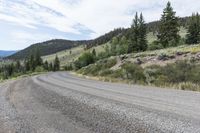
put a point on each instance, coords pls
(138, 61)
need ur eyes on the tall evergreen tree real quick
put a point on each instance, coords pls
(193, 36)
(27, 64)
(56, 66)
(94, 52)
(38, 59)
(46, 65)
(50, 66)
(32, 62)
(142, 34)
(133, 46)
(18, 66)
(138, 35)
(169, 28)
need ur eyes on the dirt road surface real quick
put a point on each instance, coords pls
(63, 103)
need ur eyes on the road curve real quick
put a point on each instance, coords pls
(63, 103)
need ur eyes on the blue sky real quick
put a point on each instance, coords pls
(25, 22)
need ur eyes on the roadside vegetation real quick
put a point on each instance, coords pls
(182, 75)
(30, 65)
(164, 53)
(128, 57)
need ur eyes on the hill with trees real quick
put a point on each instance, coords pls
(53, 46)
(171, 60)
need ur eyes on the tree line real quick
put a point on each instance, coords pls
(135, 38)
(33, 63)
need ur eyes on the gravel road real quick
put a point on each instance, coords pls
(63, 103)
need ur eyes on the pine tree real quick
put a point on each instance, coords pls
(142, 42)
(38, 59)
(18, 66)
(32, 62)
(193, 36)
(138, 35)
(56, 66)
(169, 28)
(46, 65)
(114, 43)
(51, 66)
(133, 46)
(94, 52)
(27, 65)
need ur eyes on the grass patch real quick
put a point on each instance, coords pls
(183, 75)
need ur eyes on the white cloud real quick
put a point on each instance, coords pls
(99, 16)
(104, 15)
(22, 38)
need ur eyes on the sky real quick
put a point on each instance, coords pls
(25, 22)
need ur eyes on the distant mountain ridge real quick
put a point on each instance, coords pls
(56, 45)
(4, 53)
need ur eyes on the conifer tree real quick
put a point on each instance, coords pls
(169, 28)
(142, 42)
(94, 52)
(32, 62)
(134, 35)
(138, 35)
(193, 36)
(51, 66)
(18, 66)
(27, 65)
(46, 65)
(38, 59)
(56, 66)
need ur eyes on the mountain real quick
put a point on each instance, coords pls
(4, 53)
(53, 46)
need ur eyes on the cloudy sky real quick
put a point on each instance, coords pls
(24, 22)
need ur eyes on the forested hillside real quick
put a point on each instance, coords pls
(53, 46)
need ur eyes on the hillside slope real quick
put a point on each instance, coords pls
(53, 46)
(57, 45)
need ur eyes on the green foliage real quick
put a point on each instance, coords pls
(182, 71)
(33, 63)
(39, 69)
(169, 28)
(183, 75)
(56, 65)
(155, 45)
(138, 35)
(119, 45)
(51, 66)
(94, 52)
(46, 65)
(68, 67)
(177, 73)
(193, 36)
(84, 60)
(134, 72)
(100, 68)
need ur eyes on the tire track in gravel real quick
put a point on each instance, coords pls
(63, 103)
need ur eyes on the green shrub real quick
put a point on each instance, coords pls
(105, 72)
(102, 67)
(118, 74)
(134, 72)
(188, 86)
(155, 45)
(68, 67)
(84, 60)
(39, 69)
(108, 63)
